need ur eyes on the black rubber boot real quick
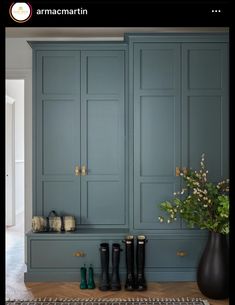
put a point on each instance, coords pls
(104, 257)
(130, 277)
(115, 280)
(140, 262)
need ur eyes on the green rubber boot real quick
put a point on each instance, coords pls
(91, 283)
(83, 283)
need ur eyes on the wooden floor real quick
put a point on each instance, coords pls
(17, 289)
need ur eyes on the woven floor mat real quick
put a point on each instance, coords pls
(111, 301)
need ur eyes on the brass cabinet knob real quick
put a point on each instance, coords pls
(83, 170)
(181, 253)
(185, 170)
(79, 254)
(77, 170)
(177, 171)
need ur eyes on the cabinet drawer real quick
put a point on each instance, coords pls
(174, 253)
(61, 253)
(66, 254)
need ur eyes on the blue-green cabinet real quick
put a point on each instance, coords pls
(79, 111)
(127, 113)
(180, 110)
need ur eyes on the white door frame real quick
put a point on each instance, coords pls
(26, 75)
(10, 160)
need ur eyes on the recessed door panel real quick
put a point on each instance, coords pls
(204, 68)
(157, 135)
(205, 133)
(157, 67)
(151, 194)
(103, 136)
(59, 136)
(61, 196)
(103, 70)
(104, 206)
(58, 73)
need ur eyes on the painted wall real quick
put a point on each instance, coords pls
(15, 89)
(18, 54)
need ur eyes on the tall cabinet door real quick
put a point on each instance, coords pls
(102, 139)
(57, 145)
(157, 138)
(205, 107)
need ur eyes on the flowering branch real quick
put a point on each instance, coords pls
(206, 205)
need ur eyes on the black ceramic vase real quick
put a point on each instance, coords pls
(213, 269)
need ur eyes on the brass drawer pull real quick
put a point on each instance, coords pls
(79, 254)
(181, 253)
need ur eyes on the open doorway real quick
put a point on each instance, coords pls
(10, 160)
(15, 152)
(16, 254)
(15, 177)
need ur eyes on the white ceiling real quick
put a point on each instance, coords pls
(89, 32)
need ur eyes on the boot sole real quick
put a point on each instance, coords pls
(141, 289)
(129, 289)
(115, 288)
(104, 288)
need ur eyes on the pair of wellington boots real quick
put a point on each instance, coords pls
(84, 284)
(135, 282)
(105, 283)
